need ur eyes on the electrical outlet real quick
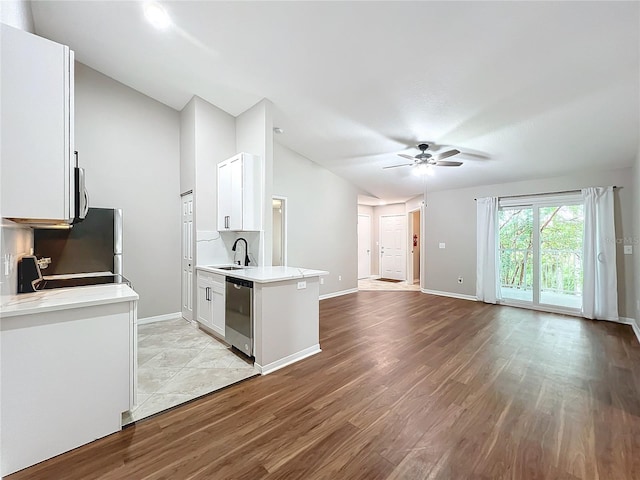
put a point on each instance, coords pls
(321, 281)
(460, 280)
(302, 285)
(442, 245)
(339, 278)
(628, 249)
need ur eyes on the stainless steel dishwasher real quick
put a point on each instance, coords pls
(238, 314)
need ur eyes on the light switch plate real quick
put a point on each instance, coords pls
(302, 285)
(628, 249)
(441, 245)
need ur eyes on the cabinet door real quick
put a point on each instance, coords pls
(236, 193)
(204, 302)
(218, 307)
(224, 195)
(37, 127)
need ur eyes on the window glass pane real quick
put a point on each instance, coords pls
(516, 253)
(561, 255)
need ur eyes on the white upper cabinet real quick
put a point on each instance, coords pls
(37, 128)
(240, 191)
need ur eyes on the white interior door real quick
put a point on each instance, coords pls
(187, 256)
(364, 246)
(393, 252)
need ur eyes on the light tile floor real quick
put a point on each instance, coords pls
(372, 284)
(178, 362)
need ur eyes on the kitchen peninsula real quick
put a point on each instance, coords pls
(285, 311)
(68, 369)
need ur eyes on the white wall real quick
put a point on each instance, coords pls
(636, 237)
(321, 218)
(215, 141)
(451, 218)
(129, 145)
(188, 147)
(254, 134)
(17, 13)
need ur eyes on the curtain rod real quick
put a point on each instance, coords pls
(539, 194)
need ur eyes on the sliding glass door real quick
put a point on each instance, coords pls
(541, 252)
(516, 253)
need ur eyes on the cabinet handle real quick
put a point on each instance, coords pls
(226, 221)
(207, 294)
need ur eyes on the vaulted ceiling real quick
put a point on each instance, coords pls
(523, 89)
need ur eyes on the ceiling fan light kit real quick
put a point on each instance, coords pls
(426, 159)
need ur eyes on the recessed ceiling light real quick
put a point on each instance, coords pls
(156, 15)
(278, 130)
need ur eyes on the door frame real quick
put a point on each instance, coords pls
(404, 217)
(410, 273)
(370, 243)
(535, 204)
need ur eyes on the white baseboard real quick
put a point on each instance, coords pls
(450, 294)
(338, 294)
(160, 318)
(634, 325)
(288, 360)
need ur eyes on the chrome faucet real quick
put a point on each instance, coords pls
(246, 251)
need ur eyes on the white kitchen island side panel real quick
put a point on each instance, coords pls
(287, 322)
(65, 380)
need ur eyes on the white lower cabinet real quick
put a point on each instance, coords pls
(210, 301)
(66, 379)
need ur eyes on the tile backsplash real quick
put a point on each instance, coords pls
(15, 241)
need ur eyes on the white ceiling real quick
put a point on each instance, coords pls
(525, 89)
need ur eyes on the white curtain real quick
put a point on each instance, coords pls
(488, 259)
(600, 288)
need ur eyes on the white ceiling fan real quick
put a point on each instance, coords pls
(426, 159)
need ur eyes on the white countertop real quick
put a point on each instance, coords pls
(65, 298)
(265, 274)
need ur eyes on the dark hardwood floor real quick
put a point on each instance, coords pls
(408, 386)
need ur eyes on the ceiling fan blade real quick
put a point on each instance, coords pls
(408, 157)
(447, 163)
(447, 154)
(403, 165)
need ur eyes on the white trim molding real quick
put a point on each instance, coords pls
(288, 360)
(338, 294)
(161, 318)
(634, 325)
(540, 308)
(461, 296)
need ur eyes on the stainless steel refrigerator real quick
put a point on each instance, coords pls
(94, 245)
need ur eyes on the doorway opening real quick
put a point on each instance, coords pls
(279, 212)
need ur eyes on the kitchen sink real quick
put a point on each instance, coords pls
(227, 268)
